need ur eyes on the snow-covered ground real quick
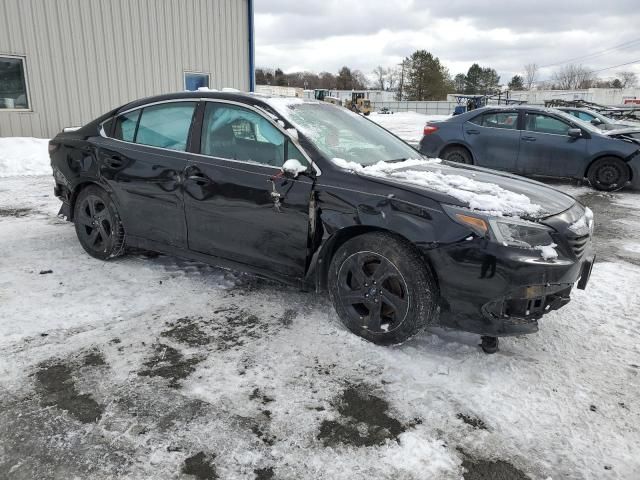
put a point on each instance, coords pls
(24, 156)
(407, 125)
(155, 367)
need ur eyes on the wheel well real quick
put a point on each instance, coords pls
(76, 192)
(586, 172)
(457, 145)
(346, 234)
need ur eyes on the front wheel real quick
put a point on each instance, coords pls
(608, 174)
(381, 288)
(98, 224)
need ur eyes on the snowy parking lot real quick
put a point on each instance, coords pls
(154, 367)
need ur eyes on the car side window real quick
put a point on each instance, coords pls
(166, 125)
(126, 126)
(541, 123)
(585, 116)
(507, 120)
(237, 133)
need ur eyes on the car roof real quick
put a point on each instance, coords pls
(488, 108)
(253, 99)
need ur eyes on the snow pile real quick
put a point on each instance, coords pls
(547, 252)
(24, 156)
(407, 125)
(483, 196)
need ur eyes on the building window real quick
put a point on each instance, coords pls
(194, 81)
(13, 84)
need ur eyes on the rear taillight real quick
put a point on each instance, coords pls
(53, 147)
(429, 129)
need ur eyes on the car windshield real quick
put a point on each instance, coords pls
(339, 133)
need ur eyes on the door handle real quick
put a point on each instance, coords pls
(199, 179)
(114, 162)
(529, 139)
(473, 132)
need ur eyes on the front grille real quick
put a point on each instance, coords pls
(578, 244)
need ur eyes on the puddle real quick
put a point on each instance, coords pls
(167, 362)
(364, 420)
(15, 212)
(93, 359)
(491, 470)
(57, 388)
(186, 330)
(264, 473)
(201, 466)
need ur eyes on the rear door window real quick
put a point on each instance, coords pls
(126, 126)
(507, 120)
(541, 123)
(166, 125)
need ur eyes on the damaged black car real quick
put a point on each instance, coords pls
(314, 195)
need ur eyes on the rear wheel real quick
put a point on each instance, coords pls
(608, 174)
(98, 224)
(381, 289)
(457, 154)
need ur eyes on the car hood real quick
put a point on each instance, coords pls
(473, 187)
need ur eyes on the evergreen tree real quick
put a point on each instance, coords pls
(481, 81)
(516, 83)
(344, 80)
(459, 82)
(427, 78)
(280, 78)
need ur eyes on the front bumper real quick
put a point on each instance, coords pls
(499, 291)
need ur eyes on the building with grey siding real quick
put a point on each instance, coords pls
(65, 62)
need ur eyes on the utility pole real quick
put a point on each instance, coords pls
(401, 86)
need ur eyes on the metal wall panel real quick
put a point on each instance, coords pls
(85, 57)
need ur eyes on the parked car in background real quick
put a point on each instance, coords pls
(315, 195)
(534, 141)
(596, 119)
(631, 133)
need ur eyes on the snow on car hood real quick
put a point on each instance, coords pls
(477, 189)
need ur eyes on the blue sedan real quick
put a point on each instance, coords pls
(535, 141)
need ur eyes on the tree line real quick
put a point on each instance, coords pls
(422, 76)
(344, 79)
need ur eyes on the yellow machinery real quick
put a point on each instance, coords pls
(358, 103)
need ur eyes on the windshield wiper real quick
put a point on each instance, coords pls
(396, 160)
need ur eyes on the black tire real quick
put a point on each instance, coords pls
(98, 224)
(386, 306)
(457, 154)
(608, 174)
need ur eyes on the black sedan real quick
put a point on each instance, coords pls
(535, 141)
(314, 195)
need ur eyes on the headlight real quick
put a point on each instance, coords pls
(504, 230)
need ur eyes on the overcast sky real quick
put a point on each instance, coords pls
(327, 34)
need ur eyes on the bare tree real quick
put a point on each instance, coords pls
(628, 79)
(530, 73)
(381, 76)
(571, 77)
(393, 76)
(360, 81)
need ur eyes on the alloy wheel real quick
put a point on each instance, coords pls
(96, 223)
(373, 292)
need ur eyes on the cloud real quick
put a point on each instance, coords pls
(317, 36)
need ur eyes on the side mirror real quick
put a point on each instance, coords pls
(574, 133)
(292, 168)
